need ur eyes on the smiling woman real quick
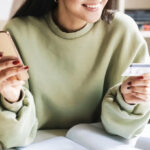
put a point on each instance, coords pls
(29, 9)
(92, 11)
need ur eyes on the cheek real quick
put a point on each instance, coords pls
(105, 1)
(73, 5)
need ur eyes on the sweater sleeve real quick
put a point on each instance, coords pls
(18, 122)
(18, 128)
(120, 118)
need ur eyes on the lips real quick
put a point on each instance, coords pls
(91, 5)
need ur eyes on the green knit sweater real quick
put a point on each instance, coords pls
(74, 78)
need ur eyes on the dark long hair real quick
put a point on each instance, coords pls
(38, 8)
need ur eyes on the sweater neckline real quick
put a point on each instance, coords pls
(71, 35)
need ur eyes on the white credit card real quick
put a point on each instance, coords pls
(137, 69)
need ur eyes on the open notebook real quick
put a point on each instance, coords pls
(84, 137)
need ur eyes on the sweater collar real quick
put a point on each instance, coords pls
(66, 35)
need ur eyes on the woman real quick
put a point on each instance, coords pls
(76, 60)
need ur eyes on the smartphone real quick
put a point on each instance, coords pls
(8, 48)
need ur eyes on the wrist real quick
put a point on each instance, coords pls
(13, 106)
(122, 103)
(120, 90)
(18, 99)
(124, 97)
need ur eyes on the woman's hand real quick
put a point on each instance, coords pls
(136, 90)
(10, 83)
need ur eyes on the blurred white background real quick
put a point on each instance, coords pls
(7, 9)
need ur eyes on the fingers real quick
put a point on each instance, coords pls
(8, 61)
(132, 99)
(142, 97)
(140, 82)
(11, 93)
(13, 75)
(146, 76)
(8, 64)
(1, 55)
(136, 89)
(13, 83)
(140, 89)
(136, 81)
(7, 58)
(7, 73)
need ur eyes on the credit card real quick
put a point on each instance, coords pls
(137, 69)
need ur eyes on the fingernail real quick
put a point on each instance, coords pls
(141, 77)
(16, 62)
(129, 83)
(26, 67)
(128, 88)
(1, 54)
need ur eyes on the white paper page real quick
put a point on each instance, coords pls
(57, 143)
(143, 141)
(95, 138)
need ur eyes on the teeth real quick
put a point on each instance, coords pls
(93, 6)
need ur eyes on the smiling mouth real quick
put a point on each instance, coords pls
(92, 6)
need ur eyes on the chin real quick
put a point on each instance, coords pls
(92, 19)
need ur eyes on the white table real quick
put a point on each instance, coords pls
(143, 142)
